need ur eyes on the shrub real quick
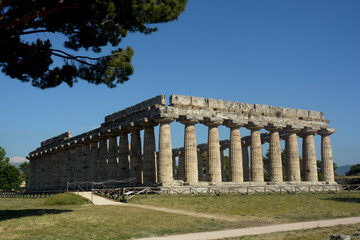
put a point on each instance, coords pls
(66, 199)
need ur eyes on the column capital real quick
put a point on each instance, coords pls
(308, 131)
(326, 131)
(235, 123)
(212, 122)
(255, 125)
(188, 120)
(275, 127)
(164, 120)
(145, 122)
(292, 129)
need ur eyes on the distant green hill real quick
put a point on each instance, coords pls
(342, 170)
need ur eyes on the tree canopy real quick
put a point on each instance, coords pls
(9, 174)
(89, 25)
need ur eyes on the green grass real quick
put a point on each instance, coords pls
(22, 218)
(310, 234)
(33, 219)
(66, 199)
(268, 208)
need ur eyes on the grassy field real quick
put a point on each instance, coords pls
(267, 208)
(33, 219)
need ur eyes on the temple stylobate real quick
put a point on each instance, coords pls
(105, 153)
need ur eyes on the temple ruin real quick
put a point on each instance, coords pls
(104, 153)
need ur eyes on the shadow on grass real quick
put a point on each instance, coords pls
(10, 214)
(344, 199)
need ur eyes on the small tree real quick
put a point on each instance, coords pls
(24, 168)
(354, 171)
(9, 174)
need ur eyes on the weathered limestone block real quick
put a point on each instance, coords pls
(149, 155)
(165, 153)
(158, 100)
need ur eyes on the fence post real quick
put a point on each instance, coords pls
(67, 186)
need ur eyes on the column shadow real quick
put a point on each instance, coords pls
(352, 200)
(11, 214)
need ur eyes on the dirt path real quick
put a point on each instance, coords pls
(97, 200)
(258, 230)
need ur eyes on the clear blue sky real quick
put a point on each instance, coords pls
(297, 54)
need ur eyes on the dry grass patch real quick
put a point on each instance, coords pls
(274, 207)
(32, 219)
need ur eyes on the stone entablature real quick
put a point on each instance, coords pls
(99, 148)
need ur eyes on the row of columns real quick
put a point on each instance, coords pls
(239, 158)
(102, 158)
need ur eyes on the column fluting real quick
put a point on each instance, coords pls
(165, 176)
(190, 153)
(257, 169)
(292, 154)
(309, 156)
(326, 155)
(149, 161)
(214, 171)
(136, 156)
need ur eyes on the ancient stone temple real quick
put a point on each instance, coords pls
(104, 153)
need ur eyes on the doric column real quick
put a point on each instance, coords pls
(190, 152)
(257, 169)
(235, 153)
(136, 155)
(326, 155)
(165, 176)
(78, 162)
(246, 161)
(200, 165)
(309, 155)
(214, 170)
(124, 156)
(72, 159)
(149, 161)
(173, 165)
(292, 155)
(112, 157)
(64, 174)
(57, 168)
(222, 163)
(275, 164)
(102, 160)
(94, 155)
(181, 166)
(85, 166)
(31, 174)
